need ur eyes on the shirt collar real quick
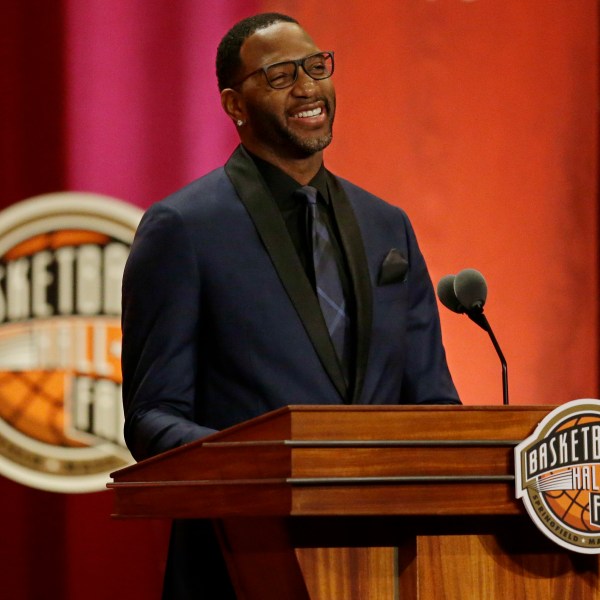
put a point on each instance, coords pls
(282, 186)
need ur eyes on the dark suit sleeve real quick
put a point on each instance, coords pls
(161, 308)
(426, 379)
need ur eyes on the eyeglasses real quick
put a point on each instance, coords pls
(284, 74)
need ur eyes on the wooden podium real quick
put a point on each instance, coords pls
(365, 503)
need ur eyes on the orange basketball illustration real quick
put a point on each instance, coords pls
(571, 507)
(32, 403)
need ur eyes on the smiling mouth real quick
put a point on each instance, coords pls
(315, 112)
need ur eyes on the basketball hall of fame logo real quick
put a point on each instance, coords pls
(557, 473)
(61, 264)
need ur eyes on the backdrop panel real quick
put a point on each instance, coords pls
(479, 118)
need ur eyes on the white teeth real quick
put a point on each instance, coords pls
(309, 113)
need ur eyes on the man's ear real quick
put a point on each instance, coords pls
(233, 104)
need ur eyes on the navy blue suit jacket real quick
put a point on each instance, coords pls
(221, 324)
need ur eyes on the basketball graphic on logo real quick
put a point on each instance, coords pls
(32, 402)
(571, 507)
(61, 263)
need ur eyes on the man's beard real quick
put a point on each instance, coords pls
(308, 146)
(286, 140)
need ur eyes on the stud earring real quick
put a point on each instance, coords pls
(239, 122)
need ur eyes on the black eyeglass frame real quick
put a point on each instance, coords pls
(298, 62)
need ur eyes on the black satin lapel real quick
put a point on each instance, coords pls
(359, 272)
(271, 228)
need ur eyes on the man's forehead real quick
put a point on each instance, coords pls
(278, 42)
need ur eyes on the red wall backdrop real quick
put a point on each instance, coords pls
(478, 117)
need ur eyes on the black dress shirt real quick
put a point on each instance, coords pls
(295, 216)
(294, 213)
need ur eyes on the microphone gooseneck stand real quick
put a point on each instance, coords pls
(476, 315)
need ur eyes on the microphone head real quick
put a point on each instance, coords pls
(470, 289)
(447, 296)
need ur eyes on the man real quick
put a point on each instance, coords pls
(225, 311)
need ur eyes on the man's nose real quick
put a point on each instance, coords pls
(304, 85)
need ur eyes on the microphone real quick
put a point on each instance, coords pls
(447, 295)
(470, 289)
(466, 293)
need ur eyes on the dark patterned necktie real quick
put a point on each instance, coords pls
(327, 278)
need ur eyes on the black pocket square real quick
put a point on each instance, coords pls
(393, 269)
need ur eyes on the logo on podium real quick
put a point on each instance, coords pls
(557, 475)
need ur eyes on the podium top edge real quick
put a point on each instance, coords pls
(302, 422)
